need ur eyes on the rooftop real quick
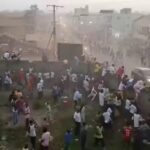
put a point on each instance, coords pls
(143, 68)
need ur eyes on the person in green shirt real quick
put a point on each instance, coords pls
(99, 136)
(48, 112)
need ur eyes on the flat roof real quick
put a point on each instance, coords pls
(142, 68)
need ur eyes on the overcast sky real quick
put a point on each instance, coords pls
(95, 5)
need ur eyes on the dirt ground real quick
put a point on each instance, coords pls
(15, 137)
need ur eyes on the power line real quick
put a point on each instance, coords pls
(54, 33)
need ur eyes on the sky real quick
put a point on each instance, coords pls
(95, 5)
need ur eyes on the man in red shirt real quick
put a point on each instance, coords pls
(31, 84)
(127, 135)
(120, 72)
(21, 77)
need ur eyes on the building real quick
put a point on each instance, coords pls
(141, 27)
(38, 39)
(126, 11)
(13, 24)
(20, 23)
(104, 11)
(31, 26)
(82, 11)
(29, 50)
(122, 22)
(16, 24)
(119, 22)
(141, 35)
(141, 31)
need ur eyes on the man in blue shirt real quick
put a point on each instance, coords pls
(68, 139)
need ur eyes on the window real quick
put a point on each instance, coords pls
(144, 30)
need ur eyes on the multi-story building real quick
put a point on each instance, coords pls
(141, 27)
(13, 24)
(82, 11)
(141, 35)
(21, 23)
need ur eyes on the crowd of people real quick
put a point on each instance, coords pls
(7, 56)
(112, 103)
(88, 89)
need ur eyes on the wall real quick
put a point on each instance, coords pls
(39, 66)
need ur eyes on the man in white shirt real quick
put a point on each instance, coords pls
(86, 85)
(32, 134)
(87, 77)
(7, 82)
(117, 102)
(138, 86)
(101, 85)
(6, 56)
(39, 75)
(127, 109)
(109, 110)
(52, 75)
(31, 70)
(74, 78)
(107, 119)
(112, 69)
(46, 139)
(105, 69)
(47, 79)
(40, 89)
(77, 120)
(63, 78)
(69, 70)
(77, 97)
(47, 75)
(127, 104)
(136, 120)
(101, 98)
(93, 94)
(132, 109)
(106, 92)
(121, 86)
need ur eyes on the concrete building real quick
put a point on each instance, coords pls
(141, 35)
(122, 22)
(108, 27)
(26, 26)
(141, 27)
(13, 24)
(82, 11)
(8, 43)
(126, 11)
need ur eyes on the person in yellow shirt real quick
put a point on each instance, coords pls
(48, 111)
(97, 69)
(99, 136)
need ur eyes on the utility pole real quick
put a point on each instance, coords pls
(54, 33)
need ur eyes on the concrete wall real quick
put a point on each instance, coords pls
(39, 66)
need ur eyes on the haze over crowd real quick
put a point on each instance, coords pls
(95, 5)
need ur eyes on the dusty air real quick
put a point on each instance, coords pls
(75, 75)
